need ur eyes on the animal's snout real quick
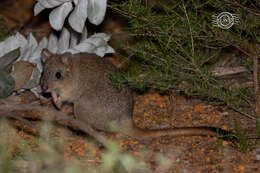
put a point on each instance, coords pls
(44, 88)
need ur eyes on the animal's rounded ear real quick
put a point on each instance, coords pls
(66, 59)
(45, 55)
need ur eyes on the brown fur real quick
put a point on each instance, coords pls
(85, 82)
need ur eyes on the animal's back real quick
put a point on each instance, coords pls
(102, 103)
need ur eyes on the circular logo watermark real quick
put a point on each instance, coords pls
(225, 20)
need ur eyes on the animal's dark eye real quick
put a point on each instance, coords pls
(58, 75)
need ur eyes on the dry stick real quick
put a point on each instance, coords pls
(255, 76)
(49, 114)
(242, 113)
(41, 101)
(191, 36)
(22, 120)
(46, 113)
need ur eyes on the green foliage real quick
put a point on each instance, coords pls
(6, 84)
(115, 161)
(47, 154)
(176, 46)
(4, 31)
(243, 141)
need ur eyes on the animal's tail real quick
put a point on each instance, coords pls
(182, 131)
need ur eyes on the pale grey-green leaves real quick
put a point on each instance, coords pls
(8, 59)
(94, 10)
(58, 15)
(79, 15)
(30, 52)
(70, 42)
(12, 43)
(6, 84)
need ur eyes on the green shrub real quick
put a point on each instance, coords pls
(176, 47)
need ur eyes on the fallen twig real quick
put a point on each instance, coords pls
(243, 113)
(52, 115)
(22, 120)
(224, 71)
(255, 77)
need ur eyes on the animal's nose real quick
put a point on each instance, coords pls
(44, 88)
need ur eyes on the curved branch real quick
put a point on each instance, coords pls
(49, 114)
